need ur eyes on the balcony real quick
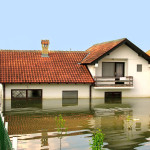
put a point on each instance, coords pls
(113, 82)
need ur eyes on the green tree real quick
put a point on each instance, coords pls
(60, 123)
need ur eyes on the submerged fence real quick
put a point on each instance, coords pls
(5, 143)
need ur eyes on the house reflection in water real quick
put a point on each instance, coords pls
(128, 123)
(52, 105)
(44, 139)
(40, 128)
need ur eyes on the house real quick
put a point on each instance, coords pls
(118, 60)
(117, 68)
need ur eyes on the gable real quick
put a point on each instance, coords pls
(123, 52)
(101, 50)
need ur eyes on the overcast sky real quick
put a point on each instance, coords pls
(75, 24)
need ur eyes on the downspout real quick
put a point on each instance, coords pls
(90, 97)
(4, 97)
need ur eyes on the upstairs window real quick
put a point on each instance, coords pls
(113, 69)
(108, 69)
(139, 67)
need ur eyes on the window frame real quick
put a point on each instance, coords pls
(139, 69)
(115, 68)
(70, 104)
(18, 90)
(26, 98)
(103, 69)
(113, 97)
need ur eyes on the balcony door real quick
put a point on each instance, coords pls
(119, 69)
(113, 69)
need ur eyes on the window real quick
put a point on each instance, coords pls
(23, 98)
(18, 93)
(139, 67)
(69, 98)
(26, 94)
(34, 93)
(113, 97)
(113, 69)
(108, 69)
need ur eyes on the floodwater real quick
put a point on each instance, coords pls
(126, 125)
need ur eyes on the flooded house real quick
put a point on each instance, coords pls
(113, 69)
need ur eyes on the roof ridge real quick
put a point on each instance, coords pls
(18, 50)
(111, 41)
(8, 50)
(67, 51)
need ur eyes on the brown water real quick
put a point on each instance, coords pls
(126, 126)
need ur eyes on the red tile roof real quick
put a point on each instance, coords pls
(30, 67)
(148, 52)
(100, 49)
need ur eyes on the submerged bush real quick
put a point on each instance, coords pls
(97, 140)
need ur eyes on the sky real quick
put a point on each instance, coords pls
(73, 24)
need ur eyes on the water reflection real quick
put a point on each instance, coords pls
(44, 139)
(69, 101)
(36, 103)
(49, 105)
(126, 126)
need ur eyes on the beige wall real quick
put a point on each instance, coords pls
(92, 70)
(131, 59)
(51, 90)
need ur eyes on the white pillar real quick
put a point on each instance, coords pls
(1, 97)
(1, 114)
(3, 119)
(6, 126)
(14, 143)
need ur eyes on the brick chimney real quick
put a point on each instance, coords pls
(45, 45)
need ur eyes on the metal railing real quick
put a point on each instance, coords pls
(126, 81)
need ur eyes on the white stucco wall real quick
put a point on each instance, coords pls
(141, 80)
(50, 91)
(92, 70)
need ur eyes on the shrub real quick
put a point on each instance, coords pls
(97, 140)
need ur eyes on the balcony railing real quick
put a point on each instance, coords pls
(126, 81)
